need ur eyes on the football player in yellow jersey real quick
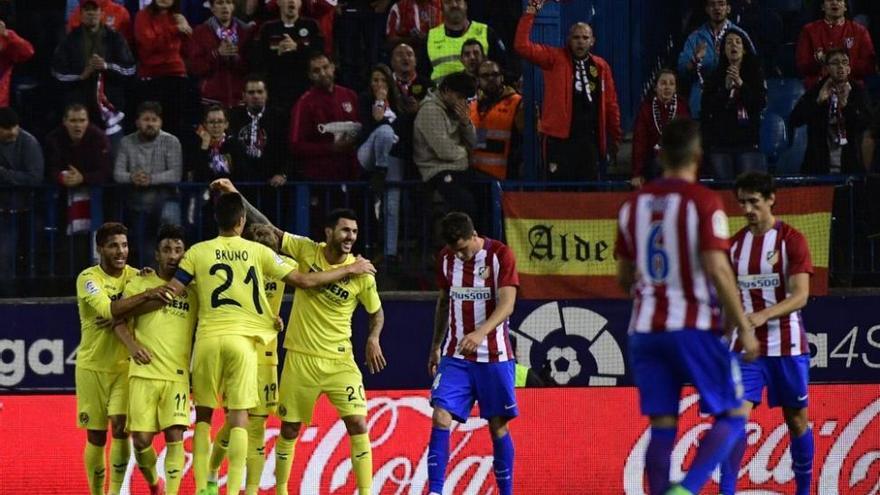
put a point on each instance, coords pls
(267, 380)
(234, 316)
(319, 356)
(101, 359)
(160, 344)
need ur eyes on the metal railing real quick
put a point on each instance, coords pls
(40, 257)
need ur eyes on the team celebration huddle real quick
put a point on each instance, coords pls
(202, 328)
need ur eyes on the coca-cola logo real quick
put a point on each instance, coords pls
(847, 459)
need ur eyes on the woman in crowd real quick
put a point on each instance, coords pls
(657, 110)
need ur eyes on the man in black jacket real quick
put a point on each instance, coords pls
(261, 132)
(836, 113)
(92, 64)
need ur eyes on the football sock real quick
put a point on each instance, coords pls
(714, 448)
(120, 454)
(96, 469)
(146, 461)
(802, 461)
(438, 457)
(657, 459)
(503, 451)
(362, 462)
(218, 450)
(284, 449)
(238, 444)
(730, 466)
(174, 461)
(256, 456)
(201, 454)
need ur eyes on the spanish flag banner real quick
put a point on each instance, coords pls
(564, 242)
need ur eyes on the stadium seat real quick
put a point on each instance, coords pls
(785, 5)
(790, 160)
(773, 136)
(782, 95)
(785, 60)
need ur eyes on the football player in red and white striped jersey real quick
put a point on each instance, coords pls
(471, 357)
(772, 263)
(672, 256)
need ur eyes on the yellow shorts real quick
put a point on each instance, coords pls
(154, 405)
(225, 370)
(267, 387)
(305, 378)
(100, 394)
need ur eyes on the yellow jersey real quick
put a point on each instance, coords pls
(320, 321)
(167, 333)
(268, 354)
(99, 347)
(231, 273)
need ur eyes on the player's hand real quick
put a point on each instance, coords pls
(637, 182)
(139, 354)
(361, 266)
(757, 319)
(147, 270)
(161, 293)
(433, 361)
(375, 359)
(102, 322)
(751, 347)
(223, 185)
(279, 323)
(471, 342)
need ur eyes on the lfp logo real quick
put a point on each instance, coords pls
(575, 341)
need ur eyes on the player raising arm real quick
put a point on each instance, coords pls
(234, 316)
(773, 268)
(671, 252)
(160, 344)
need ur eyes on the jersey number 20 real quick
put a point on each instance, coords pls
(217, 298)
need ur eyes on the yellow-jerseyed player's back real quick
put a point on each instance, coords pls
(231, 273)
(268, 354)
(320, 321)
(99, 348)
(166, 333)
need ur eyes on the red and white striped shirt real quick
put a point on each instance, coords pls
(473, 292)
(663, 229)
(763, 263)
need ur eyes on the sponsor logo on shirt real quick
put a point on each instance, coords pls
(470, 293)
(764, 281)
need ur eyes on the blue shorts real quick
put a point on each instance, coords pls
(460, 382)
(663, 362)
(786, 378)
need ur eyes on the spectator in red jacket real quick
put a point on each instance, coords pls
(14, 50)
(657, 110)
(217, 56)
(328, 155)
(160, 31)
(113, 16)
(834, 31)
(410, 20)
(580, 118)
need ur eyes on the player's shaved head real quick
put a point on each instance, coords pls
(264, 234)
(229, 210)
(108, 230)
(680, 144)
(456, 226)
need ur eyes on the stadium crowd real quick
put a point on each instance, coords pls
(152, 94)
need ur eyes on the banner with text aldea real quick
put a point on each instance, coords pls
(564, 242)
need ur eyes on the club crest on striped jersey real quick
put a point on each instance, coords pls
(484, 272)
(773, 257)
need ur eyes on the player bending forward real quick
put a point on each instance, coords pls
(471, 357)
(671, 251)
(772, 264)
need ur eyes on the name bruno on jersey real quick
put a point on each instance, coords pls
(224, 255)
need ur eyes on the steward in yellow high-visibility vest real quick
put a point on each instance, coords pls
(444, 51)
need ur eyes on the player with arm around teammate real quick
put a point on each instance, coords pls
(234, 316)
(671, 252)
(267, 380)
(471, 356)
(772, 263)
(101, 365)
(160, 345)
(319, 356)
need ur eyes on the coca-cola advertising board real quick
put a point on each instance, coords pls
(568, 440)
